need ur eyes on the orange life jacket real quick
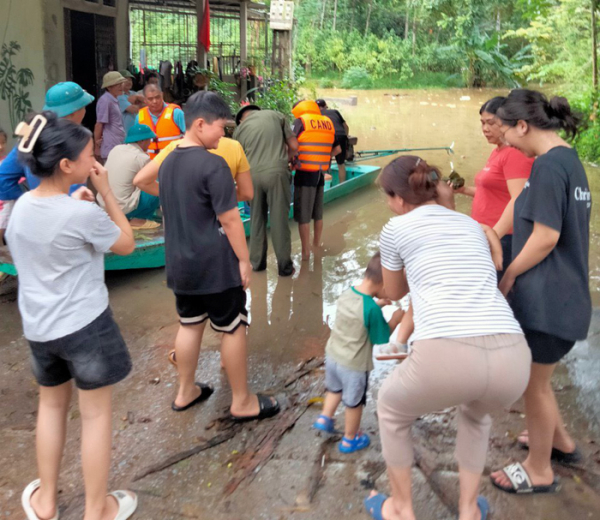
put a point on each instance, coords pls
(316, 141)
(166, 129)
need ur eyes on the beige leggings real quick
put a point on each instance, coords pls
(477, 374)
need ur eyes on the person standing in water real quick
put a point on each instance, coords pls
(58, 244)
(341, 135)
(500, 182)
(548, 281)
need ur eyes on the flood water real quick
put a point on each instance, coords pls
(290, 322)
(291, 316)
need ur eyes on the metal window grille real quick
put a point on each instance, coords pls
(170, 33)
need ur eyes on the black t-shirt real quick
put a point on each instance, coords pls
(304, 178)
(554, 296)
(337, 119)
(195, 187)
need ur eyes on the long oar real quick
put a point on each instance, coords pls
(364, 155)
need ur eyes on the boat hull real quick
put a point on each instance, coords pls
(150, 246)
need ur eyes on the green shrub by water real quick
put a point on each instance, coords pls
(357, 78)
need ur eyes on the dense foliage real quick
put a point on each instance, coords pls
(441, 43)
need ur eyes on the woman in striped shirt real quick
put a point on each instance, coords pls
(468, 350)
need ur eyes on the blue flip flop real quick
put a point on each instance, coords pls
(360, 442)
(327, 426)
(374, 505)
(484, 507)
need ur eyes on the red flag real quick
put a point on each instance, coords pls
(204, 35)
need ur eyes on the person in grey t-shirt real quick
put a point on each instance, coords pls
(58, 244)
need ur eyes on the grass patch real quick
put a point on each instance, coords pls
(420, 80)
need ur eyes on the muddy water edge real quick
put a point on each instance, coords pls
(290, 316)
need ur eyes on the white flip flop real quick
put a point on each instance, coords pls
(26, 501)
(127, 503)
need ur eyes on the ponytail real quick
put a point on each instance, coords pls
(535, 109)
(58, 139)
(410, 178)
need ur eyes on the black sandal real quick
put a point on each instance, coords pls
(207, 391)
(521, 483)
(562, 457)
(267, 409)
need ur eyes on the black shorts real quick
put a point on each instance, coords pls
(225, 310)
(342, 140)
(308, 203)
(545, 348)
(95, 356)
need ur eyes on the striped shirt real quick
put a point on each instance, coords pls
(449, 269)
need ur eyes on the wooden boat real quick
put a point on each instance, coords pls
(150, 244)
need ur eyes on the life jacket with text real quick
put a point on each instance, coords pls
(316, 141)
(166, 129)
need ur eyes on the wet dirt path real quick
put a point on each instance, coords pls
(290, 320)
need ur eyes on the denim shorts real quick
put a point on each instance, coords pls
(352, 384)
(95, 356)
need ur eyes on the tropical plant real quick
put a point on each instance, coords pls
(281, 96)
(357, 77)
(14, 83)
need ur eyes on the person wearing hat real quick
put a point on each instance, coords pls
(109, 130)
(269, 144)
(123, 164)
(341, 135)
(69, 101)
(130, 102)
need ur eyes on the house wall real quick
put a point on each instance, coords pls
(38, 27)
(24, 27)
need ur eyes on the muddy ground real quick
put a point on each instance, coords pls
(280, 469)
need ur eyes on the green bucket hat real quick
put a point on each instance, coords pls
(139, 133)
(66, 98)
(126, 74)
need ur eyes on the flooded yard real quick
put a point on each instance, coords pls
(290, 324)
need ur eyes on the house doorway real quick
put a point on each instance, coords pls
(91, 50)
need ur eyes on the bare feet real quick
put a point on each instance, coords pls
(44, 511)
(135, 222)
(537, 479)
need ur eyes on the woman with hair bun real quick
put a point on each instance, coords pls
(547, 282)
(467, 348)
(500, 182)
(58, 244)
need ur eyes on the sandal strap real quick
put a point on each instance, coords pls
(518, 476)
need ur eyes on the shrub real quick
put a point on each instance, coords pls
(357, 78)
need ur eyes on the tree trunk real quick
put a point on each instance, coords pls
(414, 33)
(368, 17)
(352, 11)
(499, 27)
(334, 13)
(406, 21)
(594, 46)
(323, 13)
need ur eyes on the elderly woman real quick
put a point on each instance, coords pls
(500, 182)
(468, 349)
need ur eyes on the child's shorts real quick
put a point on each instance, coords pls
(352, 384)
(95, 356)
(225, 310)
